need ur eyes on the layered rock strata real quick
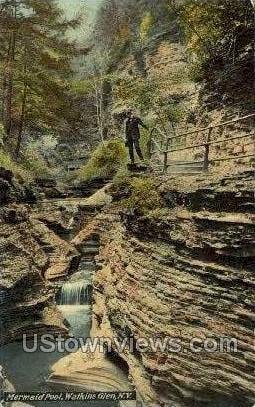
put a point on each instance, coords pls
(185, 273)
(31, 255)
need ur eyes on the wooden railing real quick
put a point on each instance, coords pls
(161, 144)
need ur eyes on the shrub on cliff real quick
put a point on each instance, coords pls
(30, 166)
(105, 160)
(9, 164)
(144, 196)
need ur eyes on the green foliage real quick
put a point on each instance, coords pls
(140, 193)
(144, 140)
(34, 163)
(218, 33)
(82, 86)
(121, 177)
(35, 66)
(136, 92)
(144, 196)
(146, 25)
(31, 165)
(9, 164)
(130, 20)
(105, 160)
(149, 96)
(45, 146)
(173, 112)
(159, 213)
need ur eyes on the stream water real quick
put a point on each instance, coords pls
(29, 371)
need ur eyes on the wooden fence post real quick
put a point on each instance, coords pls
(207, 151)
(165, 160)
(166, 155)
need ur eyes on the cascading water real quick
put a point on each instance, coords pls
(75, 297)
(75, 293)
(78, 289)
(29, 371)
(74, 303)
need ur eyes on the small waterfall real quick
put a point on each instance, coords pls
(75, 293)
(78, 289)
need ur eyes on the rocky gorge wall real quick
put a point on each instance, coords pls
(183, 272)
(33, 258)
(29, 251)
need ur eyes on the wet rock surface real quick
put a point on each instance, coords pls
(30, 253)
(181, 273)
(6, 386)
(36, 259)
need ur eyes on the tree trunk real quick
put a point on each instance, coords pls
(253, 6)
(101, 110)
(21, 121)
(5, 82)
(8, 85)
(8, 77)
(23, 107)
(98, 97)
(97, 107)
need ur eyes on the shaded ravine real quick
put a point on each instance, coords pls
(29, 371)
(104, 375)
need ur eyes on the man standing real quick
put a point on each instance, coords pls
(132, 133)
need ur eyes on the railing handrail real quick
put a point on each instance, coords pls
(206, 143)
(202, 129)
(209, 143)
